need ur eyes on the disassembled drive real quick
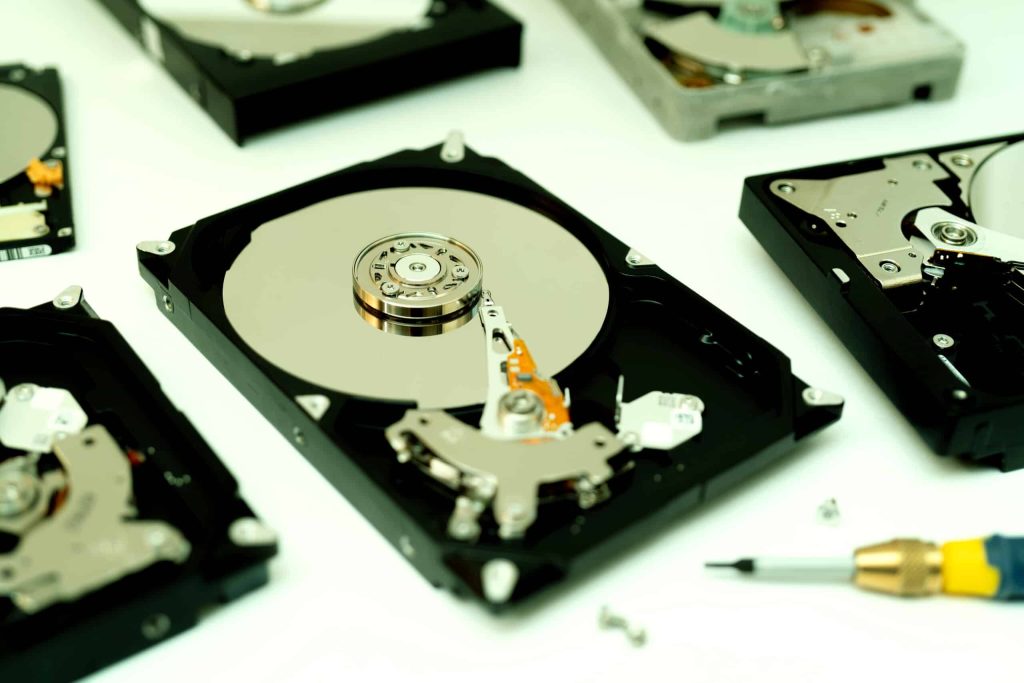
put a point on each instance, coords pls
(914, 260)
(256, 65)
(118, 525)
(504, 389)
(699, 63)
(35, 197)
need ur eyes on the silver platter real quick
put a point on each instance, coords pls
(995, 192)
(29, 129)
(249, 28)
(289, 294)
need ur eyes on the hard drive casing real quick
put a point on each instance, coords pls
(657, 332)
(695, 114)
(955, 420)
(246, 98)
(183, 481)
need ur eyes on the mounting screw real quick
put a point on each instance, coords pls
(389, 289)
(889, 266)
(962, 160)
(168, 304)
(460, 272)
(787, 188)
(943, 341)
(401, 246)
(156, 626)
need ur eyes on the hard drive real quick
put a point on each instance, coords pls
(506, 391)
(699, 64)
(35, 193)
(914, 260)
(257, 65)
(118, 525)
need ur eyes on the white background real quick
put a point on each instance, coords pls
(342, 604)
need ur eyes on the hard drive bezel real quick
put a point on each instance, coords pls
(186, 282)
(985, 428)
(249, 98)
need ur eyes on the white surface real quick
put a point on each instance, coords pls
(342, 604)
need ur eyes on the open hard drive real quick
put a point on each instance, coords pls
(697, 64)
(256, 65)
(35, 198)
(505, 390)
(118, 525)
(914, 260)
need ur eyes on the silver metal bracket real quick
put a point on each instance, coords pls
(866, 212)
(32, 418)
(657, 419)
(952, 233)
(513, 470)
(91, 540)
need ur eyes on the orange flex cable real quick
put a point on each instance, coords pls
(522, 374)
(45, 175)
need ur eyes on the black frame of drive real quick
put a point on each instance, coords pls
(970, 424)
(44, 83)
(658, 333)
(246, 98)
(180, 480)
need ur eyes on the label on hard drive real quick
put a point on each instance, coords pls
(25, 252)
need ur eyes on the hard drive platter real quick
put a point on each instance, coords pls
(923, 252)
(505, 390)
(35, 202)
(119, 526)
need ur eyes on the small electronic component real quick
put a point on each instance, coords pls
(35, 195)
(118, 526)
(699, 63)
(915, 261)
(990, 567)
(257, 65)
(476, 415)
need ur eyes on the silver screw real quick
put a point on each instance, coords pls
(401, 246)
(962, 160)
(389, 289)
(828, 511)
(40, 229)
(156, 626)
(298, 437)
(607, 620)
(405, 545)
(65, 302)
(633, 259)
(787, 188)
(955, 234)
(168, 304)
(959, 394)
(943, 341)
(922, 165)
(165, 247)
(889, 266)
(460, 272)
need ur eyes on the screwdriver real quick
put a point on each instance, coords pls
(990, 567)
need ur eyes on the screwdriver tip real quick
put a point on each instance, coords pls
(745, 566)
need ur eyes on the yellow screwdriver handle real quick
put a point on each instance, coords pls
(990, 567)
